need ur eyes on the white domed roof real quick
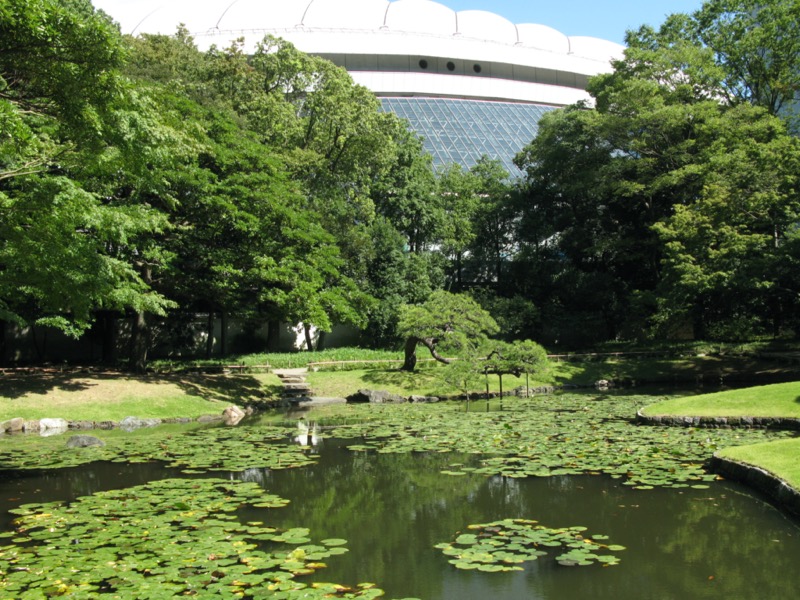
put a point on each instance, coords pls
(484, 25)
(592, 47)
(533, 35)
(420, 16)
(344, 14)
(388, 28)
(250, 14)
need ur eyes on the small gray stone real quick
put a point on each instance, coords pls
(131, 423)
(84, 441)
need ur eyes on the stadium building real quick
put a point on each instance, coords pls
(471, 83)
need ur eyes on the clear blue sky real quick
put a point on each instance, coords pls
(606, 19)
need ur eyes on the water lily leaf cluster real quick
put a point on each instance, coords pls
(568, 434)
(212, 449)
(163, 539)
(507, 544)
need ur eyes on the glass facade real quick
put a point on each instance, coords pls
(461, 131)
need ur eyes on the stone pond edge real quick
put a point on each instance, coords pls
(792, 424)
(776, 489)
(758, 478)
(54, 426)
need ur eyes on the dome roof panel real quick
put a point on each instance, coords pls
(484, 25)
(421, 16)
(542, 37)
(157, 16)
(345, 14)
(258, 14)
(595, 48)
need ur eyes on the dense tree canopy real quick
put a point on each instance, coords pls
(142, 178)
(677, 195)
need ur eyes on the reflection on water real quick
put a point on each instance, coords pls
(720, 542)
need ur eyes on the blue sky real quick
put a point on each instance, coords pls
(606, 19)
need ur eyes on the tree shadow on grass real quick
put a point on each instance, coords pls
(701, 371)
(18, 385)
(239, 389)
(420, 381)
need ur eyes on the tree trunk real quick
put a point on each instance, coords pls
(223, 334)
(108, 344)
(321, 340)
(430, 344)
(139, 342)
(500, 377)
(309, 341)
(210, 335)
(273, 336)
(3, 326)
(410, 359)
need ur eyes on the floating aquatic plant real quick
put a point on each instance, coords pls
(163, 539)
(567, 434)
(507, 544)
(199, 451)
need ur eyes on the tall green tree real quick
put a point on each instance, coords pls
(640, 193)
(68, 120)
(757, 43)
(445, 321)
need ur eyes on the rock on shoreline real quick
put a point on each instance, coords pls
(45, 427)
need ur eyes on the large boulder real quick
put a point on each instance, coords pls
(12, 426)
(232, 415)
(131, 423)
(52, 426)
(84, 441)
(375, 397)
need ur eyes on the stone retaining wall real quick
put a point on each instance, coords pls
(759, 479)
(721, 422)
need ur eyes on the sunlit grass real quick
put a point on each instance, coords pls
(777, 400)
(779, 458)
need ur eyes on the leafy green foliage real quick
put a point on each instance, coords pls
(670, 207)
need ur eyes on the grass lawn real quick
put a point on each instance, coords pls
(777, 400)
(779, 458)
(113, 397)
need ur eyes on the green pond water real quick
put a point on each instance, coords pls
(394, 507)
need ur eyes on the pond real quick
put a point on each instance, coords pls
(405, 516)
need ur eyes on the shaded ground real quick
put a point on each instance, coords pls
(38, 394)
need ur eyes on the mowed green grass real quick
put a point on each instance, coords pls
(114, 397)
(777, 400)
(781, 458)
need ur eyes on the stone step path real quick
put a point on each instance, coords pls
(297, 390)
(295, 386)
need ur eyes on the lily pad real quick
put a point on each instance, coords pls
(502, 545)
